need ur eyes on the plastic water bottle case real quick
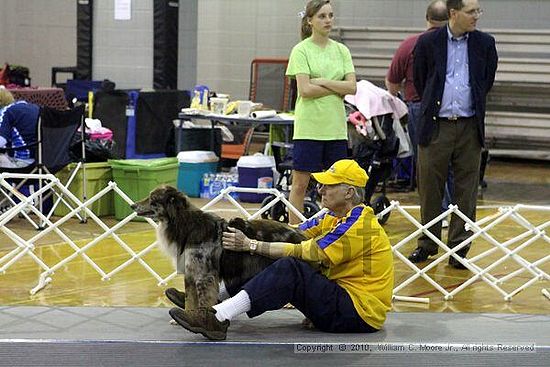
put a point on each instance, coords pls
(213, 184)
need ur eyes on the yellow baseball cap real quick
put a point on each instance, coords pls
(344, 171)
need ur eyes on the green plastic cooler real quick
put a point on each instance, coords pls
(98, 175)
(138, 177)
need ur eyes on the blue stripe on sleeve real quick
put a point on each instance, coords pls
(310, 223)
(304, 226)
(17, 140)
(341, 229)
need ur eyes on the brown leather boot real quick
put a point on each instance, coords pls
(176, 297)
(201, 321)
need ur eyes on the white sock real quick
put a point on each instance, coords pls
(234, 306)
(222, 293)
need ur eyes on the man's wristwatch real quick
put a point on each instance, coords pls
(253, 245)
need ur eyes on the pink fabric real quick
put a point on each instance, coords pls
(371, 101)
(357, 118)
(106, 135)
(360, 122)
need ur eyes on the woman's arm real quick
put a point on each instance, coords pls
(307, 89)
(340, 87)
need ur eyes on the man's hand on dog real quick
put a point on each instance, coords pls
(235, 240)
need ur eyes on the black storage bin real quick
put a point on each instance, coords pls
(198, 138)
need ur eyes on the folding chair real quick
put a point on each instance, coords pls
(56, 131)
(239, 146)
(269, 84)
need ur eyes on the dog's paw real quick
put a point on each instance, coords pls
(173, 322)
(238, 223)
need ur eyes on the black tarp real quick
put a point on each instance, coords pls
(84, 39)
(165, 53)
(110, 108)
(155, 113)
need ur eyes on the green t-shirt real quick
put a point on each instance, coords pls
(322, 118)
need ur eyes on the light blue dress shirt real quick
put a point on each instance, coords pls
(457, 96)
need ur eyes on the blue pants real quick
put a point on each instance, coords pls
(317, 155)
(321, 300)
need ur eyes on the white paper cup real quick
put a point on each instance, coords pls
(244, 108)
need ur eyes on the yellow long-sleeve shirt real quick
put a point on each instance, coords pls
(356, 254)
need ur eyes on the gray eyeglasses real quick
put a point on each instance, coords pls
(475, 12)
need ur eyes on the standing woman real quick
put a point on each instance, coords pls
(324, 75)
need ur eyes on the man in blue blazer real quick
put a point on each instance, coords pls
(454, 69)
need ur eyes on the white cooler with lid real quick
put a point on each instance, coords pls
(193, 164)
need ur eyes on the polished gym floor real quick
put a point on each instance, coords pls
(81, 320)
(78, 284)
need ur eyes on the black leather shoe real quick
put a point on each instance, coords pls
(456, 264)
(176, 297)
(420, 254)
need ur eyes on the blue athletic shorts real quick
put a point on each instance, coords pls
(317, 155)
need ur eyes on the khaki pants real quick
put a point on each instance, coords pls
(456, 142)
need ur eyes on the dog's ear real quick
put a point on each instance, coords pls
(171, 205)
(176, 198)
(184, 200)
(169, 193)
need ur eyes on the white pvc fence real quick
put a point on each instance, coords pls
(500, 261)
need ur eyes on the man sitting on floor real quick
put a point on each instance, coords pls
(353, 291)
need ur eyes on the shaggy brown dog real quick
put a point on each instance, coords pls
(194, 238)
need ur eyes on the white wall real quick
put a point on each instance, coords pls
(499, 14)
(187, 39)
(232, 33)
(38, 34)
(217, 39)
(123, 49)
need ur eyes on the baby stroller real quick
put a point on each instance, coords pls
(376, 157)
(282, 152)
(376, 138)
